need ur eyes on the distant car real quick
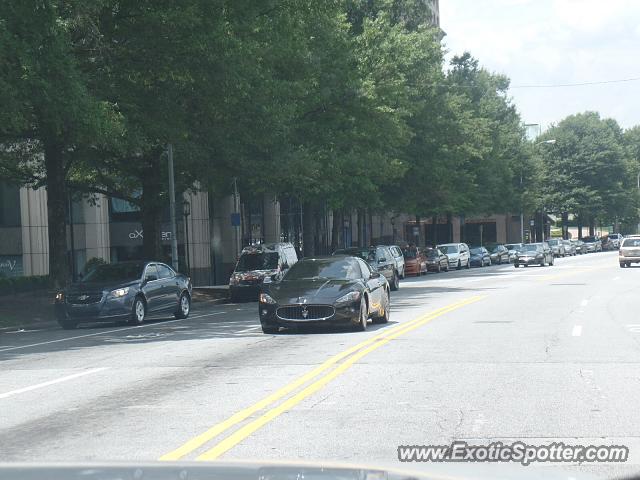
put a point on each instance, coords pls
(398, 256)
(499, 254)
(415, 261)
(437, 261)
(513, 249)
(607, 244)
(380, 259)
(480, 257)
(533, 254)
(458, 254)
(581, 248)
(593, 243)
(257, 264)
(569, 247)
(557, 247)
(124, 291)
(629, 251)
(616, 239)
(340, 290)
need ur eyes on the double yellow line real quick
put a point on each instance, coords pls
(352, 355)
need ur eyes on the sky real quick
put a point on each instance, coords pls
(550, 42)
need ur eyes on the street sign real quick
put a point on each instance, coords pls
(235, 219)
(532, 222)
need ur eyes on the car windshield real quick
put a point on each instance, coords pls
(257, 261)
(363, 253)
(446, 249)
(631, 242)
(529, 247)
(432, 253)
(476, 250)
(330, 269)
(114, 272)
(410, 254)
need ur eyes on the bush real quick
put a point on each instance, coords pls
(10, 285)
(92, 263)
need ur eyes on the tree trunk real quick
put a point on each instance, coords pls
(434, 226)
(565, 225)
(336, 228)
(592, 226)
(56, 214)
(449, 228)
(151, 210)
(370, 218)
(416, 238)
(308, 229)
(360, 228)
(579, 228)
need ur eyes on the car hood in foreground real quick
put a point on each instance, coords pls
(313, 291)
(279, 470)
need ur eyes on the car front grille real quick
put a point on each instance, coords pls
(305, 312)
(84, 299)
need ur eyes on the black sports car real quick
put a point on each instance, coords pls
(124, 291)
(337, 290)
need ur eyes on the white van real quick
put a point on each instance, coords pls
(458, 254)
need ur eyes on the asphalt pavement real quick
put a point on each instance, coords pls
(538, 354)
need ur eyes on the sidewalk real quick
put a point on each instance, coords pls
(35, 309)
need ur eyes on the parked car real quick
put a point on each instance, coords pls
(569, 247)
(380, 259)
(592, 243)
(398, 256)
(458, 254)
(607, 244)
(513, 250)
(499, 254)
(257, 264)
(437, 261)
(328, 290)
(480, 257)
(415, 261)
(629, 251)
(533, 254)
(580, 246)
(557, 247)
(616, 239)
(124, 291)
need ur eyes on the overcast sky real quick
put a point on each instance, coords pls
(544, 42)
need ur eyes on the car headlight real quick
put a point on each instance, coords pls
(60, 296)
(266, 298)
(120, 292)
(349, 297)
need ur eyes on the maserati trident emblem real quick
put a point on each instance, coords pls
(305, 313)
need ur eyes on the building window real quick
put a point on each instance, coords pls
(9, 205)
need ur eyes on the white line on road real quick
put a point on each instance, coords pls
(106, 332)
(577, 330)
(51, 382)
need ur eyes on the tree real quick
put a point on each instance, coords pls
(54, 118)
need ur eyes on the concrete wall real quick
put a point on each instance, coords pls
(225, 239)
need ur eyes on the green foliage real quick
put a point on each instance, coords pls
(12, 285)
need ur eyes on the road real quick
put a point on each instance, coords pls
(538, 354)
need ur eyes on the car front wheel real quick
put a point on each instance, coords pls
(138, 311)
(383, 316)
(363, 317)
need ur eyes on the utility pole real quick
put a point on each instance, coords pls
(236, 210)
(172, 209)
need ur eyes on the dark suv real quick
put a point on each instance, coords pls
(379, 258)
